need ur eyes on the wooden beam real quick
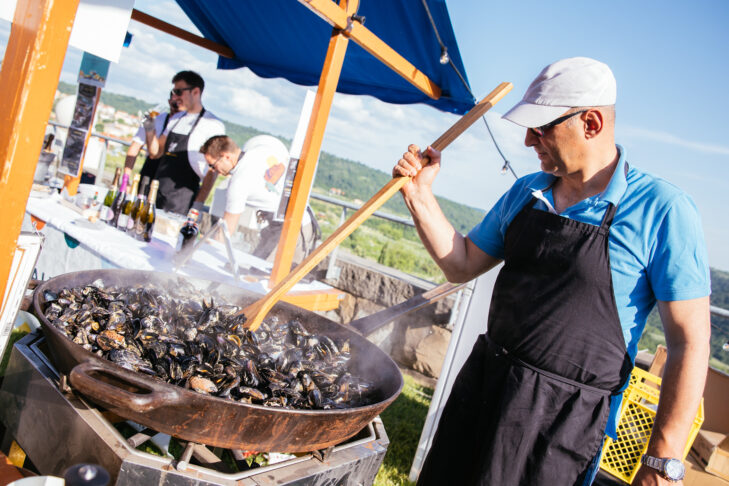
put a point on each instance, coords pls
(28, 80)
(338, 18)
(163, 26)
(311, 148)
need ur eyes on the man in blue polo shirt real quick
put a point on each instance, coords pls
(590, 244)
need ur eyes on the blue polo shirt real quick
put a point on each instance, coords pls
(656, 244)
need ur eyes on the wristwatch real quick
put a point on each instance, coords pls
(670, 468)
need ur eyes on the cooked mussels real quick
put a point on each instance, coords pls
(202, 345)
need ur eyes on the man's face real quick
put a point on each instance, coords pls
(558, 146)
(184, 95)
(221, 165)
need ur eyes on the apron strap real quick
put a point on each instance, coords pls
(607, 220)
(167, 120)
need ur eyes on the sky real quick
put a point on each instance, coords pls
(669, 59)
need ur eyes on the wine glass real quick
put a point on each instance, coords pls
(158, 108)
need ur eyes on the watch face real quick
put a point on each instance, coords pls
(674, 469)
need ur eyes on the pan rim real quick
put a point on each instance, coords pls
(39, 300)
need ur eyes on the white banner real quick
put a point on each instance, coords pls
(99, 28)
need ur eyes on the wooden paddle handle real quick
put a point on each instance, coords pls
(256, 312)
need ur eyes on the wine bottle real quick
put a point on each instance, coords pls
(137, 207)
(106, 213)
(188, 232)
(145, 224)
(116, 206)
(126, 212)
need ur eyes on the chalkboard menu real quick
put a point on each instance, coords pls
(78, 133)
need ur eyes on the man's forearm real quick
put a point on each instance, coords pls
(446, 246)
(681, 391)
(155, 144)
(207, 185)
(688, 331)
(131, 159)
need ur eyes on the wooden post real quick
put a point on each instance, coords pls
(28, 80)
(311, 148)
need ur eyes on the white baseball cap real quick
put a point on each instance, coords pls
(576, 81)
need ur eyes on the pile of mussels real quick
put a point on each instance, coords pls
(203, 346)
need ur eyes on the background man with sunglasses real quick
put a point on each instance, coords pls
(182, 167)
(590, 244)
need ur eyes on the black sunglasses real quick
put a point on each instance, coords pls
(178, 91)
(539, 131)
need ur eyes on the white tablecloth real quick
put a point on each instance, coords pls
(101, 246)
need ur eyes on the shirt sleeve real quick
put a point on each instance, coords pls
(678, 268)
(487, 235)
(490, 233)
(140, 136)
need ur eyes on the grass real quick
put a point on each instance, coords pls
(404, 421)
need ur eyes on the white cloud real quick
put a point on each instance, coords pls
(667, 138)
(252, 104)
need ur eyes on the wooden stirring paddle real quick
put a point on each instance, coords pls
(257, 311)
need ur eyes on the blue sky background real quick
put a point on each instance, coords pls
(670, 60)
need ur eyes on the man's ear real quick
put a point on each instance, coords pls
(594, 123)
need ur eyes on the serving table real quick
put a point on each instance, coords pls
(73, 243)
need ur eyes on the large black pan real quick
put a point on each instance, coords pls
(206, 419)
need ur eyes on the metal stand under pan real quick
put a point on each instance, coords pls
(58, 429)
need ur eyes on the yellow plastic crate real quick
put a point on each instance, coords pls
(621, 457)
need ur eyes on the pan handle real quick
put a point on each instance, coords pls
(116, 394)
(369, 324)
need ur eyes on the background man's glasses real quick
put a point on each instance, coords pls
(178, 91)
(539, 131)
(215, 164)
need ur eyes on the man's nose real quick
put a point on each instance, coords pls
(531, 138)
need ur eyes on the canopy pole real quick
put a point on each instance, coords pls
(172, 30)
(311, 148)
(28, 80)
(373, 44)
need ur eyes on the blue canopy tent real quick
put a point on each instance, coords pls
(284, 39)
(404, 51)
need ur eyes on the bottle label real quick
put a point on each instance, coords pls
(123, 220)
(105, 213)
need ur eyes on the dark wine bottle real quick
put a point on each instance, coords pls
(145, 224)
(106, 213)
(188, 232)
(116, 206)
(125, 216)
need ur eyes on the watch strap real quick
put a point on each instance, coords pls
(653, 462)
(659, 464)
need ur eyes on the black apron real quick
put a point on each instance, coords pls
(149, 169)
(530, 405)
(178, 182)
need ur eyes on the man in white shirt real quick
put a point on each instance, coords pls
(257, 173)
(182, 167)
